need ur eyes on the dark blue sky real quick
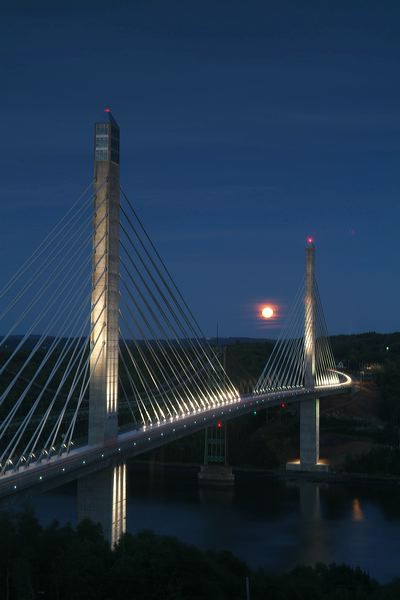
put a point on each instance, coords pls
(245, 127)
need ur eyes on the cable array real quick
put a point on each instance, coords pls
(286, 366)
(45, 312)
(167, 369)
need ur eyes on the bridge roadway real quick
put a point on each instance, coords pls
(57, 470)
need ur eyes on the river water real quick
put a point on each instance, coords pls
(265, 522)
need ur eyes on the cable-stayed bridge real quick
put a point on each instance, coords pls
(101, 357)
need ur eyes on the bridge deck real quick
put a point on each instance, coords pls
(57, 470)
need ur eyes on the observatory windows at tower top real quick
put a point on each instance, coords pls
(107, 142)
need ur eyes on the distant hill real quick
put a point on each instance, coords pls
(245, 357)
(362, 348)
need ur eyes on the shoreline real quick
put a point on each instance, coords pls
(283, 475)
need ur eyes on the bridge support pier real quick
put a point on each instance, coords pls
(215, 472)
(309, 409)
(102, 499)
(309, 432)
(309, 439)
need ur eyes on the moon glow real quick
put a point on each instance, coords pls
(267, 312)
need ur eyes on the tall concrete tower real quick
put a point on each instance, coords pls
(309, 315)
(309, 409)
(103, 394)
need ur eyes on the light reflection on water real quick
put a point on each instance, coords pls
(358, 514)
(263, 521)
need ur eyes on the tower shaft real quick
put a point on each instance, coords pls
(309, 409)
(309, 317)
(103, 393)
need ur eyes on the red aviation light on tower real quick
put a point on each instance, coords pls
(310, 240)
(107, 110)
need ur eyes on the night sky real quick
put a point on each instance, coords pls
(245, 127)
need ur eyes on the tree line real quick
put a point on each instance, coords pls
(63, 563)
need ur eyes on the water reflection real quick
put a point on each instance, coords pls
(265, 522)
(358, 514)
(102, 498)
(310, 508)
(313, 533)
(216, 495)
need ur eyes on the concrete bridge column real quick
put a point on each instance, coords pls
(103, 393)
(309, 433)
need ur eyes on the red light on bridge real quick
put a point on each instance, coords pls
(283, 405)
(219, 424)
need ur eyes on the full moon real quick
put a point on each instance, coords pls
(267, 312)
